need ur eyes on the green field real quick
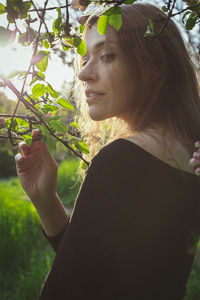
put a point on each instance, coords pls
(25, 255)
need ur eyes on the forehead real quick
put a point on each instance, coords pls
(94, 40)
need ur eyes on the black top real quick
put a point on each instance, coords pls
(132, 231)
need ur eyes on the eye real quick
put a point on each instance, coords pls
(107, 57)
(84, 63)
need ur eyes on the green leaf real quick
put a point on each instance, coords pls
(39, 89)
(164, 9)
(130, 1)
(58, 126)
(33, 81)
(191, 21)
(65, 48)
(82, 27)
(151, 25)
(6, 36)
(45, 43)
(59, 11)
(51, 91)
(13, 11)
(102, 24)
(74, 125)
(56, 24)
(80, 45)
(115, 21)
(24, 9)
(41, 75)
(84, 166)
(14, 127)
(82, 49)
(44, 130)
(115, 17)
(14, 73)
(81, 146)
(22, 122)
(51, 143)
(187, 12)
(42, 65)
(48, 107)
(148, 32)
(2, 9)
(65, 103)
(41, 60)
(28, 138)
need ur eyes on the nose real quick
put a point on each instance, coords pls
(89, 72)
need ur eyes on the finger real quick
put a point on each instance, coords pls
(44, 151)
(24, 149)
(19, 160)
(197, 144)
(196, 155)
(193, 162)
(197, 171)
(36, 135)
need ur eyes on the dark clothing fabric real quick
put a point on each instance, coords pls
(132, 233)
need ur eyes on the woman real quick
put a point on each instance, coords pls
(132, 233)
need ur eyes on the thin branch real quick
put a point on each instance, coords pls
(187, 8)
(13, 137)
(166, 20)
(19, 117)
(44, 10)
(49, 8)
(29, 105)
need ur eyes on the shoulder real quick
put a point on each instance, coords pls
(118, 149)
(119, 154)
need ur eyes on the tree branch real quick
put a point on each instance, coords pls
(30, 107)
(167, 19)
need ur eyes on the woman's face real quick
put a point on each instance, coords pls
(110, 88)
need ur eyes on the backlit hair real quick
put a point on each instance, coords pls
(171, 101)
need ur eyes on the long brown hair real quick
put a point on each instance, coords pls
(171, 101)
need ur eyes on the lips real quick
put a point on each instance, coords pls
(92, 93)
(92, 99)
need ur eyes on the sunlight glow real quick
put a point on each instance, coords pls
(17, 57)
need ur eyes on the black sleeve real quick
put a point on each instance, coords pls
(55, 240)
(85, 248)
(93, 175)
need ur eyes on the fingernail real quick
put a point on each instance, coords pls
(197, 171)
(196, 155)
(197, 144)
(192, 162)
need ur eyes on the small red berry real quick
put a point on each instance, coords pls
(2, 123)
(49, 114)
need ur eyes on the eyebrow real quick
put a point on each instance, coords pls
(101, 44)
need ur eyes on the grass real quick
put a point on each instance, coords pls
(21, 238)
(25, 255)
(68, 181)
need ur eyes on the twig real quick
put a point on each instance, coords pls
(30, 107)
(166, 20)
(49, 8)
(13, 137)
(187, 8)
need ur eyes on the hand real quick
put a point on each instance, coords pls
(195, 160)
(37, 170)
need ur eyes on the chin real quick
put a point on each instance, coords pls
(98, 116)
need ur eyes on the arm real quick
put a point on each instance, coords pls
(37, 172)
